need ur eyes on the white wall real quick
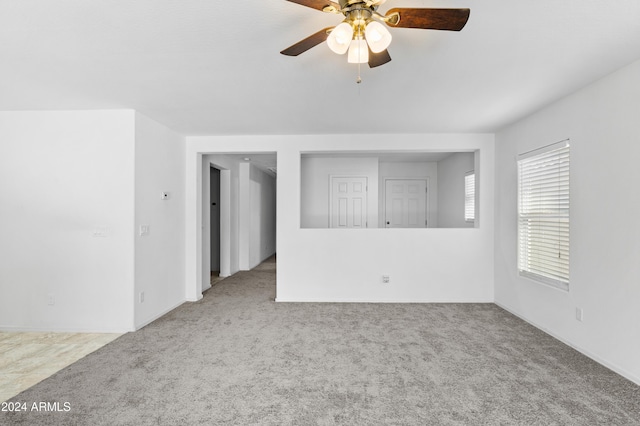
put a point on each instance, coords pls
(428, 170)
(316, 171)
(64, 176)
(159, 256)
(451, 172)
(315, 181)
(262, 225)
(603, 125)
(346, 265)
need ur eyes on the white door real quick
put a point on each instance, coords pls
(348, 202)
(405, 203)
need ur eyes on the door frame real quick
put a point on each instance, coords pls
(384, 197)
(212, 224)
(225, 223)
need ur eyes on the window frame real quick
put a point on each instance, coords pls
(470, 199)
(549, 203)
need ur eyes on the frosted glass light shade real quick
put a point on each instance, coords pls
(358, 52)
(378, 37)
(340, 38)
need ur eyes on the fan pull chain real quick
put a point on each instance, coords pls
(358, 79)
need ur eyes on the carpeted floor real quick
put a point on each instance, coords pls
(238, 358)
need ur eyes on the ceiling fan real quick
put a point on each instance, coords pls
(362, 34)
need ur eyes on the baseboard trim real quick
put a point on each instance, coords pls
(155, 317)
(19, 329)
(404, 301)
(190, 299)
(615, 368)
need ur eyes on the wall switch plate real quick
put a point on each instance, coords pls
(144, 230)
(579, 314)
(141, 297)
(100, 231)
(386, 279)
(164, 195)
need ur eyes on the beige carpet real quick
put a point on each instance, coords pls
(238, 358)
(215, 278)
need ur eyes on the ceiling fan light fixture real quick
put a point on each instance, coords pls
(358, 52)
(378, 37)
(340, 38)
(362, 32)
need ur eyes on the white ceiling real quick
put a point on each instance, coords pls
(267, 162)
(212, 67)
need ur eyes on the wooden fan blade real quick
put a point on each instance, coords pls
(377, 59)
(429, 19)
(306, 44)
(316, 4)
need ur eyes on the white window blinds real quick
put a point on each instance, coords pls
(543, 215)
(469, 196)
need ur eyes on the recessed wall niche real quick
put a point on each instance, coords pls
(364, 190)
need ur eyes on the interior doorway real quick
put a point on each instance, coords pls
(214, 200)
(216, 223)
(238, 219)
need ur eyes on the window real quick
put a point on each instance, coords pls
(404, 189)
(543, 215)
(470, 196)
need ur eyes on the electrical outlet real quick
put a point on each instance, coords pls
(142, 297)
(386, 279)
(579, 314)
(51, 299)
(144, 230)
(100, 231)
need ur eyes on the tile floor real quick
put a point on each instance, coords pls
(27, 358)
